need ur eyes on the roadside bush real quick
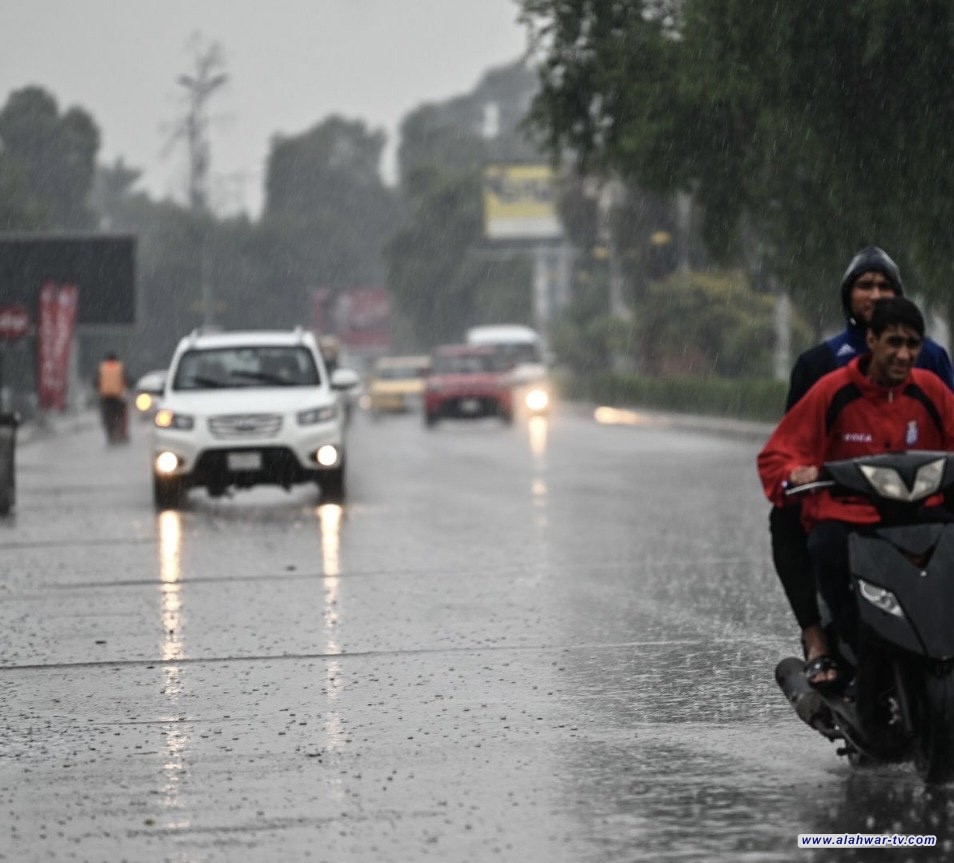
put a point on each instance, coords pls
(699, 324)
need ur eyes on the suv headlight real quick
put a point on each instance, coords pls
(317, 415)
(169, 419)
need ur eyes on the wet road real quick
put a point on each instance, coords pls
(552, 642)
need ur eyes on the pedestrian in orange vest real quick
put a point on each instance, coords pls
(111, 385)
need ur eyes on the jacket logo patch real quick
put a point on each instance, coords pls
(857, 437)
(845, 350)
(911, 435)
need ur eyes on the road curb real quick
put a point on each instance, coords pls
(47, 426)
(639, 417)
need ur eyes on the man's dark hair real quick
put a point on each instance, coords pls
(896, 311)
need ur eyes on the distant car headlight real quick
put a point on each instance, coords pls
(888, 483)
(169, 419)
(143, 402)
(537, 399)
(317, 415)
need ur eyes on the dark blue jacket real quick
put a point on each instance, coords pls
(840, 350)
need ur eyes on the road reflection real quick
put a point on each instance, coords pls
(537, 429)
(170, 574)
(618, 416)
(329, 523)
(172, 648)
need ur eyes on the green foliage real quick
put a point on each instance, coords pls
(327, 212)
(427, 273)
(583, 336)
(706, 324)
(47, 163)
(824, 124)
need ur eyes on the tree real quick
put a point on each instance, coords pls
(443, 275)
(47, 163)
(824, 124)
(426, 257)
(705, 324)
(327, 212)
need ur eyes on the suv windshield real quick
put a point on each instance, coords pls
(252, 366)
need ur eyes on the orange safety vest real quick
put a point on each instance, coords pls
(112, 380)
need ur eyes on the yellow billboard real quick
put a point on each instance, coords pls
(520, 203)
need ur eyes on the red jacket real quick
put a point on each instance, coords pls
(845, 415)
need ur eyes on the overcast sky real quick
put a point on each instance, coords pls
(291, 63)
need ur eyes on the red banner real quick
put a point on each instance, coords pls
(57, 319)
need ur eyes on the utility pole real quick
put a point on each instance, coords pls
(199, 86)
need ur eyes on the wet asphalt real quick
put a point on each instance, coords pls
(548, 642)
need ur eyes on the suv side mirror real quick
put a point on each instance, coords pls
(344, 379)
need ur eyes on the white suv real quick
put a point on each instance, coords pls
(245, 408)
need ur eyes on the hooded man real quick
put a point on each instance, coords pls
(871, 275)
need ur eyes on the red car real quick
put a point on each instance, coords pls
(465, 382)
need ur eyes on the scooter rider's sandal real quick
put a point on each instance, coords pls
(821, 665)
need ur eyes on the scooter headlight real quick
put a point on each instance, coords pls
(887, 482)
(880, 597)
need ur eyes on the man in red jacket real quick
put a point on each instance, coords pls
(877, 403)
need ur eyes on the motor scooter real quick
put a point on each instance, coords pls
(899, 706)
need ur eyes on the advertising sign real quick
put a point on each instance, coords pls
(520, 203)
(14, 321)
(57, 320)
(103, 266)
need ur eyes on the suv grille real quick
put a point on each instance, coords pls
(245, 425)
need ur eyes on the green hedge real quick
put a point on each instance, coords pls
(748, 399)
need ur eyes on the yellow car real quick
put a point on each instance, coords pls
(397, 384)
